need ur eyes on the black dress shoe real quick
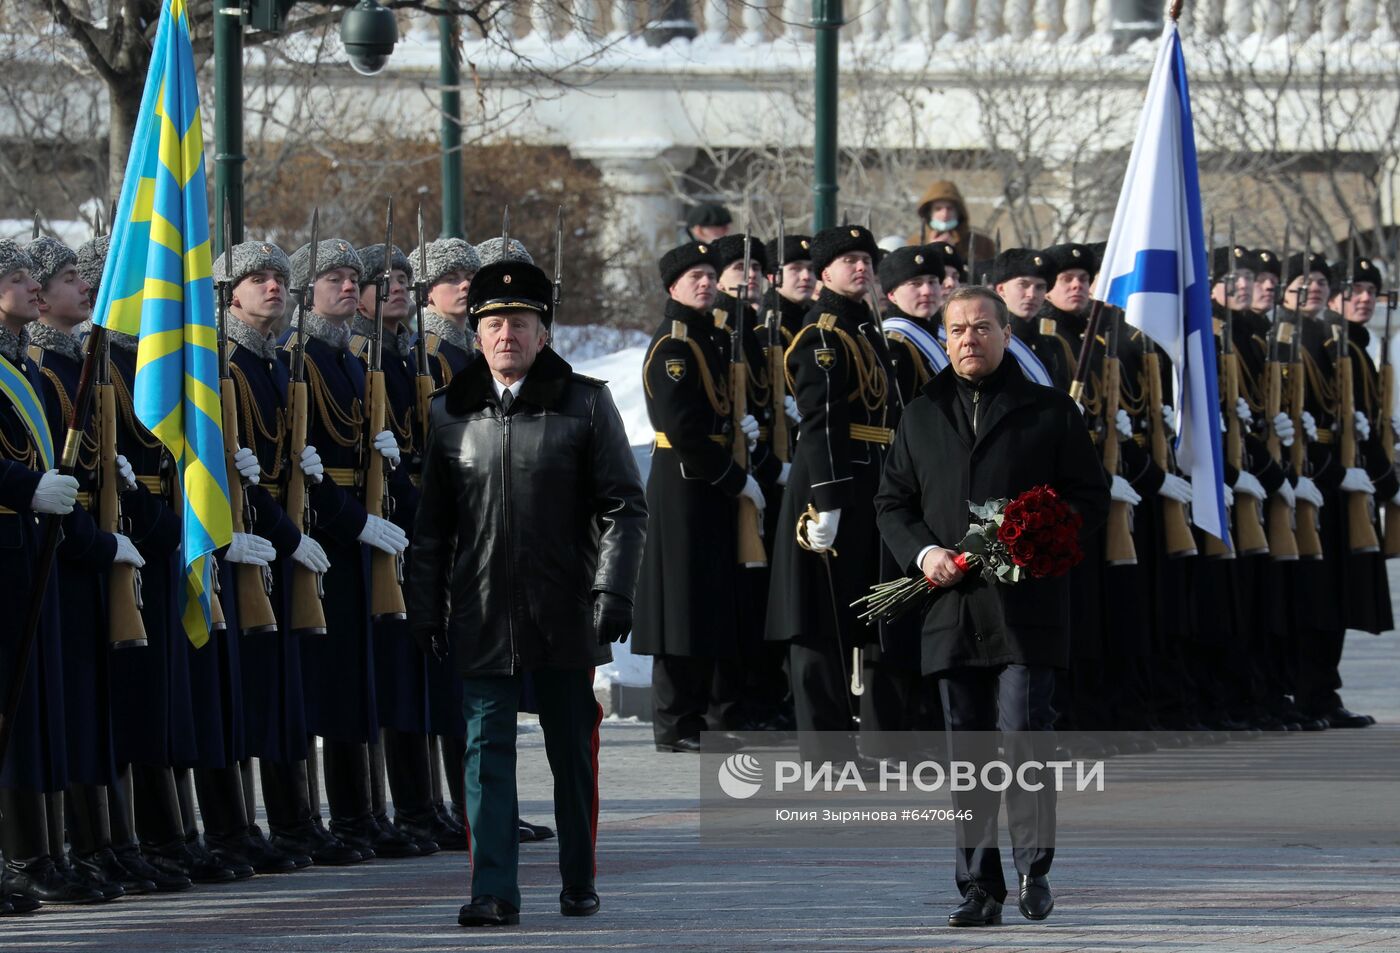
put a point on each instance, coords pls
(86, 877)
(1340, 717)
(681, 745)
(488, 912)
(1036, 900)
(17, 903)
(166, 881)
(533, 832)
(324, 851)
(578, 901)
(365, 833)
(104, 863)
(977, 909)
(39, 879)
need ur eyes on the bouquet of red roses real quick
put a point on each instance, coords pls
(1036, 534)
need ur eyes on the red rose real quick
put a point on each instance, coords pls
(1009, 532)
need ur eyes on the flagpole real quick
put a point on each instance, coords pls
(43, 566)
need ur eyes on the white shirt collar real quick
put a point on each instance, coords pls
(502, 388)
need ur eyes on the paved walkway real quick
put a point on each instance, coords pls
(662, 890)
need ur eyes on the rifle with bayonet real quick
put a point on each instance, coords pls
(1306, 522)
(1361, 507)
(254, 583)
(777, 371)
(1283, 545)
(1178, 539)
(125, 626)
(1119, 549)
(1250, 539)
(1391, 540)
(423, 378)
(308, 615)
(751, 551)
(385, 569)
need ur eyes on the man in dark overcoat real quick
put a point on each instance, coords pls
(982, 431)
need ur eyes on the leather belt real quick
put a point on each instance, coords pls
(865, 433)
(1324, 435)
(151, 483)
(663, 442)
(344, 476)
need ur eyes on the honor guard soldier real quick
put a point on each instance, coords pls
(828, 551)
(494, 249)
(274, 719)
(400, 671)
(1338, 591)
(338, 671)
(912, 280)
(1022, 276)
(85, 558)
(791, 293)
(452, 263)
(688, 603)
(36, 760)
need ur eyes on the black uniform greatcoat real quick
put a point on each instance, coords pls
(839, 372)
(446, 353)
(36, 760)
(337, 670)
(273, 705)
(688, 594)
(85, 556)
(153, 718)
(1030, 435)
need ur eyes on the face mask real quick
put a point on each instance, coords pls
(942, 224)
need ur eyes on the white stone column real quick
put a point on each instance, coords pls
(960, 19)
(647, 212)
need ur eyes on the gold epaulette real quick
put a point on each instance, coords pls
(36, 354)
(827, 322)
(721, 318)
(358, 345)
(678, 330)
(431, 343)
(1048, 326)
(663, 442)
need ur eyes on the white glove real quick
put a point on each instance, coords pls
(384, 535)
(1285, 490)
(1169, 417)
(55, 494)
(126, 552)
(1395, 425)
(1229, 495)
(1309, 427)
(1224, 424)
(311, 464)
(1363, 427)
(1124, 423)
(1356, 481)
(1307, 492)
(126, 477)
(783, 474)
(388, 446)
(1283, 428)
(754, 492)
(750, 428)
(1122, 491)
(1242, 411)
(250, 550)
(1175, 488)
(790, 408)
(249, 470)
(822, 533)
(310, 554)
(1249, 485)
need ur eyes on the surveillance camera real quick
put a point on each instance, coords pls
(368, 33)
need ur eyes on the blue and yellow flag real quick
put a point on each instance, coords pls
(157, 284)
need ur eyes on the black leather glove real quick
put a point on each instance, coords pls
(432, 643)
(612, 617)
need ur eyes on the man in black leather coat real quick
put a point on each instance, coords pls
(525, 552)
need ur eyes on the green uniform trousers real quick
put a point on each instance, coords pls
(569, 717)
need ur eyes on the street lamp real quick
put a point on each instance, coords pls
(368, 32)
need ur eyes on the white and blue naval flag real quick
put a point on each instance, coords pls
(1154, 268)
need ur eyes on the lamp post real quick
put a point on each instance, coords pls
(827, 21)
(450, 79)
(367, 31)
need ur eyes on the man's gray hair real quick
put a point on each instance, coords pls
(978, 293)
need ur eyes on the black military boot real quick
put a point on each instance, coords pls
(406, 758)
(24, 839)
(285, 793)
(351, 800)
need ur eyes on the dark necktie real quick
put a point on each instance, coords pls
(507, 398)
